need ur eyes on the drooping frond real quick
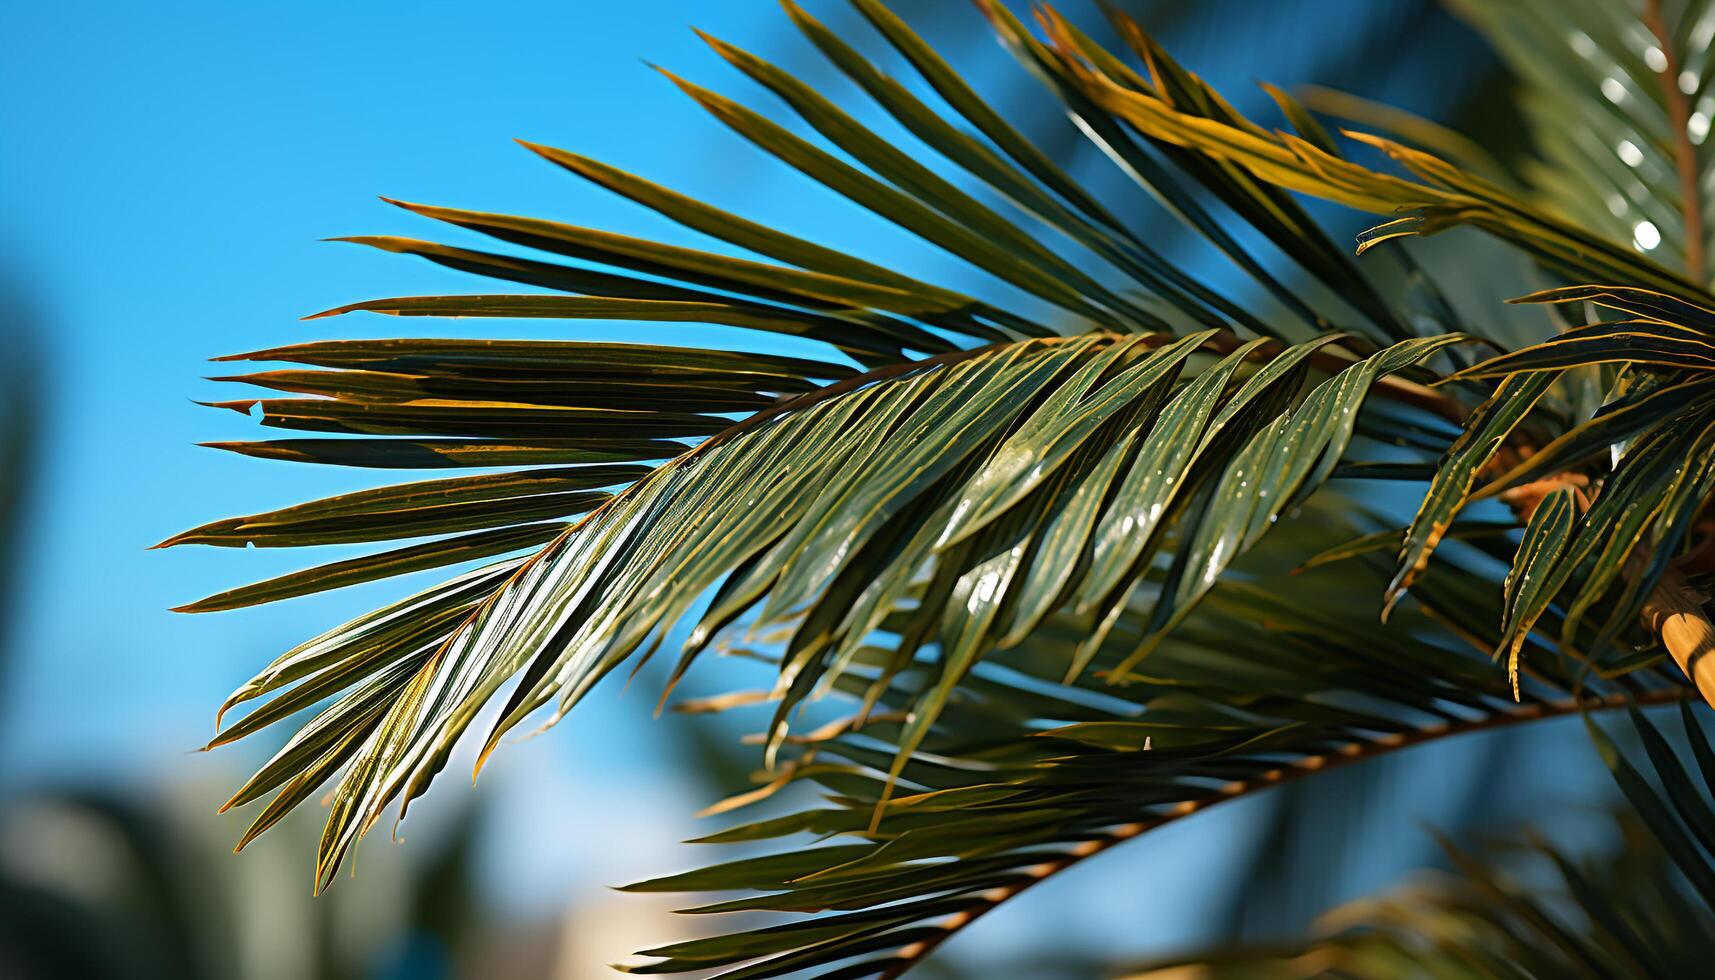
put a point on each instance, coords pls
(1174, 108)
(1619, 492)
(1021, 479)
(1003, 534)
(1642, 910)
(1021, 476)
(1274, 679)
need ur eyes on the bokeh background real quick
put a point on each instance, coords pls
(166, 171)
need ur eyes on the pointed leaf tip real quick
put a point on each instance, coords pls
(332, 311)
(543, 150)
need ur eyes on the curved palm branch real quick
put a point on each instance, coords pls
(958, 503)
(1656, 415)
(1274, 680)
(1022, 478)
(1642, 911)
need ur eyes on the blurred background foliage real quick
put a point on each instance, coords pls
(160, 179)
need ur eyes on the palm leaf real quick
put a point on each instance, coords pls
(1618, 103)
(1000, 477)
(1644, 458)
(1641, 910)
(1010, 480)
(1266, 684)
(1172, 107)
(951, 505)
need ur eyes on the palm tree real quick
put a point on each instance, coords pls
(1026, 565)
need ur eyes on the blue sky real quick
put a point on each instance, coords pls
(166, 171)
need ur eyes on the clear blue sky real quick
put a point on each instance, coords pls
(166, 170)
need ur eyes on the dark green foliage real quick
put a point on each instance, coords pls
(1041, 557)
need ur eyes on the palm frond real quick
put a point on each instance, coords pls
(1004, 534)
(1269, 682)
(1618, 102)
(1642, 910)
(1631, 480)
(1020, 479)
(943, 437)
(1174, 108)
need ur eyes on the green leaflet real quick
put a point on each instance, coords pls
(1281, 464)
(1627, 341)
(1662, 308)
(1617, 423)
(412, 509)
(414, 454)
(1484, 433)
(851, 334)
(461, 356)
(442, 417)
(368, 568)
(1537, 573)
(708, 391)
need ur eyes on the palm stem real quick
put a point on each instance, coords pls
(1351, 752)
